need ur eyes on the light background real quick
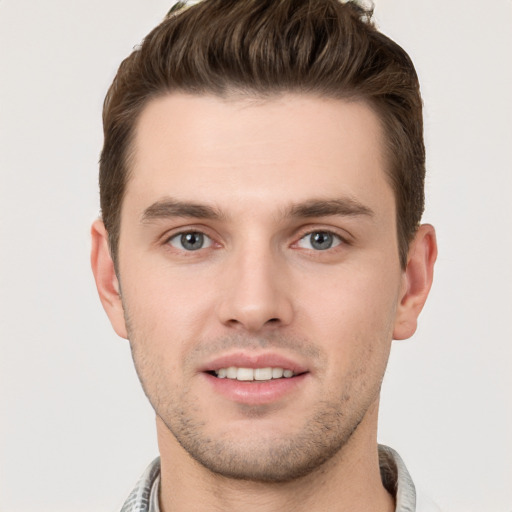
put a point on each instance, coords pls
(75, 429)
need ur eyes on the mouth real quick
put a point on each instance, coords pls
(253, 374)
(255, 379)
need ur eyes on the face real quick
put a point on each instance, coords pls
(259, 277)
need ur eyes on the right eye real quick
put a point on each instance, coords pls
(190, 241)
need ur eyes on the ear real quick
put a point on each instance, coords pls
(417, 280)
(106, 279)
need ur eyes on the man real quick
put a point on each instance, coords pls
(260, 246)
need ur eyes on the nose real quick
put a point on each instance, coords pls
(255, 292)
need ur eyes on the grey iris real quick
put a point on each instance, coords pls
(321, 240)
(192, 241)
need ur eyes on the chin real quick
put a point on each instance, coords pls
(255, 454)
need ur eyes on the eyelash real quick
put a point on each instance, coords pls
(192, 231)
(337, 237)
(342, 240)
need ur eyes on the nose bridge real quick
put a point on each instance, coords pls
(254, 287)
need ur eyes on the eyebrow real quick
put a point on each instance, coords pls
(347, 207)
(169, 208)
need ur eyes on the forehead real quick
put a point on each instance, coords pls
(251, 151)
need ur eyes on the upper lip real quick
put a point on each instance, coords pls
(248, 360)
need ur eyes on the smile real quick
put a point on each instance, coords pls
(253, 374)
(255, 379)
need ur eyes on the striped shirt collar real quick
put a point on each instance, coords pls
(396, 479)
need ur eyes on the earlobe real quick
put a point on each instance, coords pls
(106, 279)
(417, 281)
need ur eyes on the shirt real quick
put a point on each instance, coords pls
(395, 477)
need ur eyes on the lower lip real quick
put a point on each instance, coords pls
(255, 392)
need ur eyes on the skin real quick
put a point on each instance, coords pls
(257, 178)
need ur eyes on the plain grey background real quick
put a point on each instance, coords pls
(75, 428)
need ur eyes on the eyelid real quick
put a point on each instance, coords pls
(336, 241)
(177, 236)
(343, 235)
(178, 231)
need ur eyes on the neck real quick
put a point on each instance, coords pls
(349, 481)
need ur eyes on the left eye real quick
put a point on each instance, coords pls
(190, 241)
(319, 241)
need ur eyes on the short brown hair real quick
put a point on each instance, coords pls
(267, 47)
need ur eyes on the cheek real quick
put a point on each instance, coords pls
(355, 297)
(353, 318)
(165, 313)
(164, 296)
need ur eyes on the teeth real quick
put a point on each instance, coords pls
(277, 373)
(231, 372)
(245, 374)
(251, 374)
(262, 373)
